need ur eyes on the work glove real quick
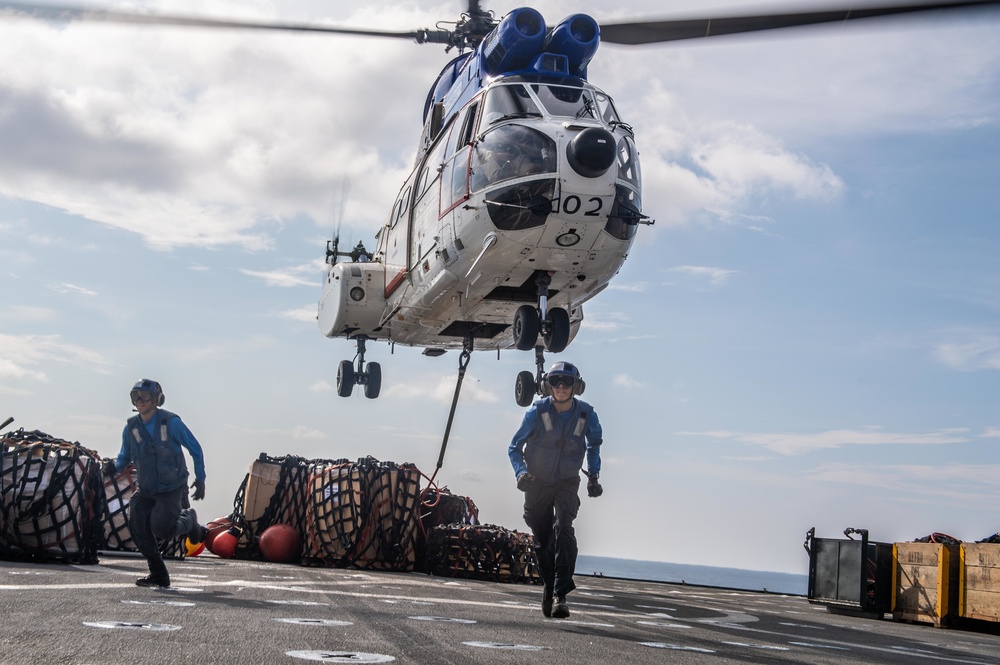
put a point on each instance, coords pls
(594, 488)
(199, 490)
(109, 467)
(524, 481)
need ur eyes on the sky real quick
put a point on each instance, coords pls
(809, 335)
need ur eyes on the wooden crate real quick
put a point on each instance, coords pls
(979, 585)
(925, 583)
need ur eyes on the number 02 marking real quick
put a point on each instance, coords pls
(572, 204)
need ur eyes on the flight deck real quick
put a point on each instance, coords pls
(235, 611)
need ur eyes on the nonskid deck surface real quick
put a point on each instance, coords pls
(225, 611)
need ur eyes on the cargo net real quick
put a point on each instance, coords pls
(484, 552)
(118, 491)
(362, 514)
(287, 503)
(439, 506)
(51, 499)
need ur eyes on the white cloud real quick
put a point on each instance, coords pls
(956, 482)
(634, 287)
(981, 353)
(715, 171)
(211, 352)
(469, 475)
(992, 433)
(320, 386)
(605, 321)
(21, 356)
(797, 444)
(208, 138)
(302, 275)
(715, 277)
(66, 287)
(626, 381)
(305, 313)
(298, 432)
(441, 389)
(28, 313)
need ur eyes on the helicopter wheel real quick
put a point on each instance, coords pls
(373, 383)
(557, 319)
(345, 378)
(525, 328)
(524, 388)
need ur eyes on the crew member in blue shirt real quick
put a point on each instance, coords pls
(557, 433)
(153, 440)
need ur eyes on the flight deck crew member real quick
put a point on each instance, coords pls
(153, 440)
(557, 433)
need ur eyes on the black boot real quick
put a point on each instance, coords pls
(547, 601)
(162, 581)
(196, 533)
(560, 610)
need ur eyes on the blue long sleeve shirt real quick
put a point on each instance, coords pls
(180, 437)
(593, 433)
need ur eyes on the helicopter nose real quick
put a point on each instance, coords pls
(591, 152)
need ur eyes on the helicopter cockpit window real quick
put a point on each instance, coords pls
(505, 102)
(628, 162)
(399, 210)
(606, 108)
(625, 213)
(561, 100)
(510, 151)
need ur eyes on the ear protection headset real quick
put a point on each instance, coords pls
(150, 386)
(563, 369)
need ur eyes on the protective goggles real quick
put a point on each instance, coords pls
(141, 396)
(561, 381)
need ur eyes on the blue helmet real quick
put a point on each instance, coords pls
(567, 371)
(150, 386)
(563, 368)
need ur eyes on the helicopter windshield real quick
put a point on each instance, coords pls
(508, 101)
(510, 151)
(561, 100)
(606, 108)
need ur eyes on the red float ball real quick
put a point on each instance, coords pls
(224, 544)
(280, 543)
(192, 549)
(215, 527)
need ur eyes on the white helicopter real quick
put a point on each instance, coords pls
(524, 199)
(526, 191)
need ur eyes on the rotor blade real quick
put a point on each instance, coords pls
(80, 13)
(651, 32)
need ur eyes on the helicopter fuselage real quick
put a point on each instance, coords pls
(526, 189)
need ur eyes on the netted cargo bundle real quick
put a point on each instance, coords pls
(118, 491)
(334, 518)
(51, 499)
(440, 506)
(390, 500)
(363, 514)
(483, 552)
(275, 491)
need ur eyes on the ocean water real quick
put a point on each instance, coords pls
(658, 571)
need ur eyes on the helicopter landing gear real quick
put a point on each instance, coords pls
(527, 325)
(348, 376)
(527, 385)
(553, 324)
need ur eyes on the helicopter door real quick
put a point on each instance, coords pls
(426, 198)
(455, 177)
